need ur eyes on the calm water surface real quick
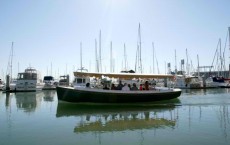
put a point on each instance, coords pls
(197, 117)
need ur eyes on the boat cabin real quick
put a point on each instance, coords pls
(64, 80)
(48, 78)
(29, 74)
(80, 81)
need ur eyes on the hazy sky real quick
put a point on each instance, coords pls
(48, 32)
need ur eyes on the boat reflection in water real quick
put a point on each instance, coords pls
(28, 101)
(109, 118)
(49, 95)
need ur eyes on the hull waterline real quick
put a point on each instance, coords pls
(107, 96)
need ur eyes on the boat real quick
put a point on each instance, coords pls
(2, 84)
(49, 83)
(64, 80)
(97, 94)
(29, 81)
(210, 83)
(13, 83)
(11, 86)
(222, 82)
(188, 82)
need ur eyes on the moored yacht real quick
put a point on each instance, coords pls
(49, 83)
(222, 82)
(29, 80)
(1, 84)
(209, 83)
(64, 80)
(188, 82)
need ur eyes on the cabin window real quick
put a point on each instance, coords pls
(48, 78)
(34, 76)
(80, 80)
(20, 76)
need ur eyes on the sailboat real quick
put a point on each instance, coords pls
(80, 81)
(84, 91)
(184, 80)
(219, 79)
(11, 83)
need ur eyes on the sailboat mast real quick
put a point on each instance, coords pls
(11, 61)
(229, 50)
(111, 57)
(139, 35)
(125, 57)
(136, 61)
(221, 60)
(153, 59)
(100, 51)
(187, 67)
(198, 68)
(51, 69)
(81, 55)
(175, 63)
(96, 57)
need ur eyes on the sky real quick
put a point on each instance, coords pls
(47, 33)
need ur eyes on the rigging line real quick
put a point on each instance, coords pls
(225, 45)
(136, 59)
(214, 55)
(157, 63)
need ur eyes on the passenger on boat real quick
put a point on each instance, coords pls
(141, 87)
(120, 86)
(129, 86)
(87, 85)
(134, 88)
(113, 87)
(125, 88)
(154, 83)
(146, 85)
(105, 87)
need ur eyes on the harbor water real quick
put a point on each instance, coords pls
(197, 117)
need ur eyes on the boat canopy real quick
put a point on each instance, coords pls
(123, 75)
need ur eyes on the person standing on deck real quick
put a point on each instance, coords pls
(141, 87)
(120, 86)
(125, 88)
(146, 85)
(134, 87)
